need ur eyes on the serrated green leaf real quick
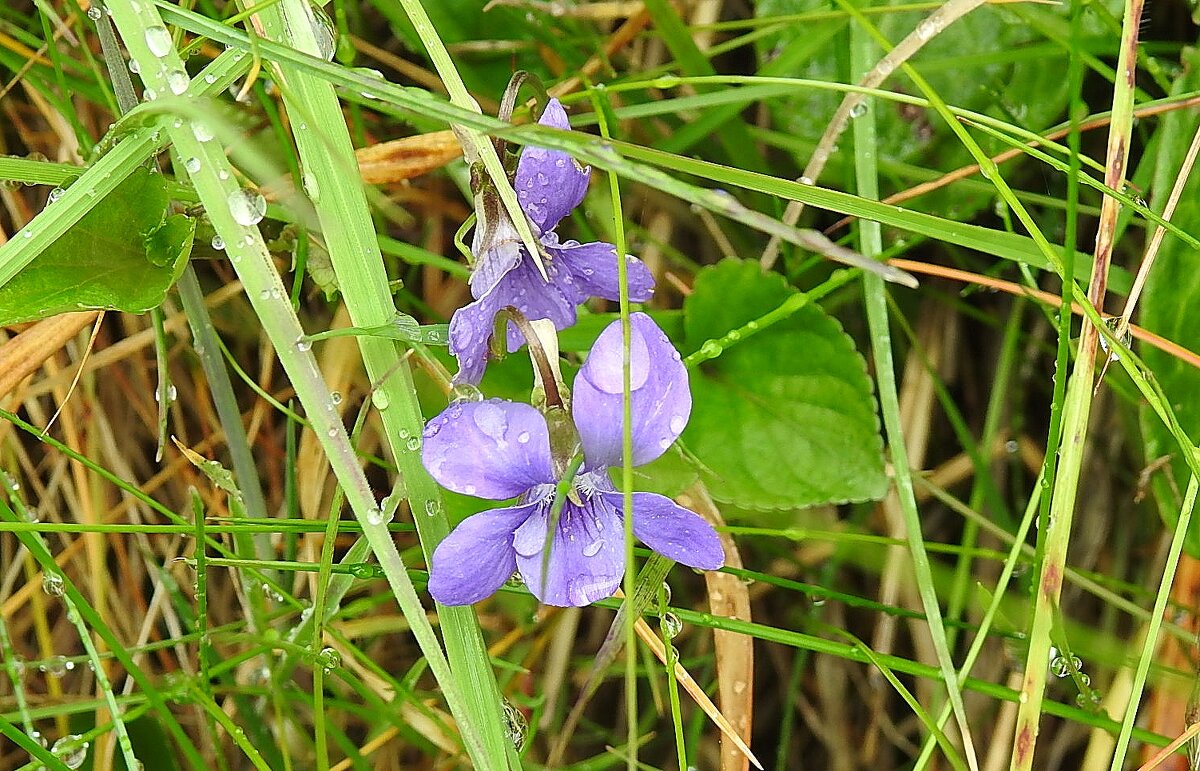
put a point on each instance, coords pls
(1172, 290)
(786, 417)
(122, 255)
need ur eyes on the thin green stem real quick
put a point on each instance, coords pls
(870, 243)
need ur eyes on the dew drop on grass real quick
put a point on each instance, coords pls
(192, 165)
(247, 206)
(380, 400)
(201, 131)
(94, 13)
(55, 194)
(303, 344)
(158, 40)
(858, 110)
(134, 67)
(515, 725)
(329, 659)
(432, 508)
(53, 584)
(177, 81)
(71, 750)
(218, 243)
(671, 625)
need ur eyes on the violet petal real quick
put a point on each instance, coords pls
(495, 257)
(549, 183)
(594, 268)
(526, 290)
(673, 531)
(470, 329)
(661, 402)
(494, 449)
(477, 557)
(587, 554)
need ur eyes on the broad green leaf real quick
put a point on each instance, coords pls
(786, 417)
(1171, 295)
(122, 255)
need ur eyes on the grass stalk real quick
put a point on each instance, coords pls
(870, 243)
(216, 186)
(1076, 411)
(330, 179)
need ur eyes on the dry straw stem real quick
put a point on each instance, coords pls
(928, 29)
(1076, 410)
(730, 598)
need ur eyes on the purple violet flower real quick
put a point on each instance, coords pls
(498, 450)
(549, 185)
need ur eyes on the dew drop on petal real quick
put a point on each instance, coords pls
(593, 548)
(469, 489)
(523, 437)
(678, 423)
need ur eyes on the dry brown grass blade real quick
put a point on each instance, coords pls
(401, 159)
(928, 28)
(1169, 750)
(730, 598)
(25, 354)
(655, 644)
(1145, 335)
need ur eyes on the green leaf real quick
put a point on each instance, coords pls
(123, 255)
(784, 418)
(1172, 290)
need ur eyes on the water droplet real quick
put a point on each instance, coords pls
(464, 393)
(55, 194)
(222, 175)
(433, 508)
(666, 593)
(523, 437)
(515, 725)
(177, 81)
(309, 182)
(1060, 667)
(413, 444)
(678, 423)
(201, 131)
(53, 584)
(806, 181)
(671, 625)
(218, 243)
(324, 31)
(329, 659)
(711, 349)
(375, 516)
(335, 398)
(192, 165)
(247, 206)
(380, 400)
(593, 548)
(469, 489)
(56, 666)
(858, 110)
(71, 750)
(926, 29)
(172, 393)
(665, 442)
(94, 13)
(158, 40)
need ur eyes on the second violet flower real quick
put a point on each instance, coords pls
(498, 450)
(549, 185)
